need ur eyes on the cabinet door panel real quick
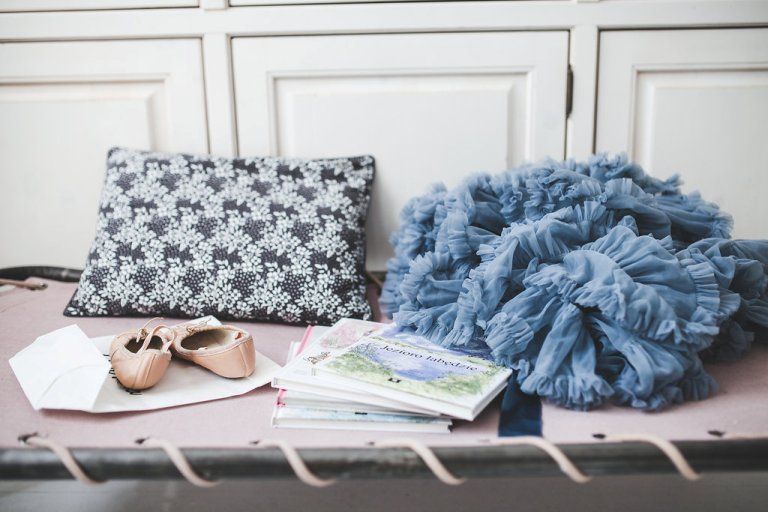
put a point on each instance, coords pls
(78, 5)
(428, 107)
(693, 102)
(62, 106)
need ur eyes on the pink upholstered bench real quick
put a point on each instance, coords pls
(726, 432)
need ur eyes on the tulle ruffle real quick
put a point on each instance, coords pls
(593, 280)
(419, 221)
(516, 254)
(615, 290)
(741, 269)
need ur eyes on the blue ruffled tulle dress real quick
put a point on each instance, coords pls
(594, 281)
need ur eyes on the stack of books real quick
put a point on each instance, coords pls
(366, 376)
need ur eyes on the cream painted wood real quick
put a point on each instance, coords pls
(75, 5)
(109, 20)
(214, 5)
(429, 107)
(581, 121)
(236, 3)
(219, 94)
(395, 17)
(693, 102)
(62, 105)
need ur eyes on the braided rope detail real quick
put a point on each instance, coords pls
(427, 456)
(64, 455)
(563, 462)
(667, 448)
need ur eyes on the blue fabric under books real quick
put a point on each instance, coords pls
(594, 281)
(520, 413)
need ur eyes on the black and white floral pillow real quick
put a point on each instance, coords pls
(272, 239)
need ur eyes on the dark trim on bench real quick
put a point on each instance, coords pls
(67, 275)
(482, 461)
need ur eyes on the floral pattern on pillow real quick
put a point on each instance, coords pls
(273, 239)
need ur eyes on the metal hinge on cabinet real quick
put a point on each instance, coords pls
(569, 92)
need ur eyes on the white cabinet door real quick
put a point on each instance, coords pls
(428, 107)
(62, 106)
(78, 5)
(693, 102)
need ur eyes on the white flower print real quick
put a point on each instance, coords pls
(258, 238)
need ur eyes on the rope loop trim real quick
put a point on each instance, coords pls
(297, 464)
(563, 461)
(427, 456)
(179, 460)
(425, 453)
(671, 451)
(64, 455)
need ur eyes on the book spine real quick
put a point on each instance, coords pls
(281, 391)
(305, 339)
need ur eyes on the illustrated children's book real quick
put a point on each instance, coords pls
(306, 410)
(293, 398)
(320, 343)
(411, 370)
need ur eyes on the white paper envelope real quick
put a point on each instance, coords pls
(61, 370)
(65, 369)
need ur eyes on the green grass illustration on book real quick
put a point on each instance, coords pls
(411, 369)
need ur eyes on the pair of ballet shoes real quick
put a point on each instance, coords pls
(140, 359)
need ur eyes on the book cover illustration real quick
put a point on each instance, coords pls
(343, 334)
(391, 331)
(347, 332)
(320, 412)
(432, 372)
